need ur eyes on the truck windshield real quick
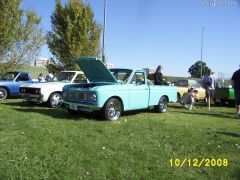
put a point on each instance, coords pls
(121, 75)
(9, 76)
(63, 77)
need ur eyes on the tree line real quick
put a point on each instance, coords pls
(74, 32)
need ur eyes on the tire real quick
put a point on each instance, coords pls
(112, 109)
(162, 105)
(178, 97)
(3, 93)
(55, 100)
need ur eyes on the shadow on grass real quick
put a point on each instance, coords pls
(60, 113)
(229, 134)
(193, 113)
(23, 104)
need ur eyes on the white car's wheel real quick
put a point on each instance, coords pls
(3, 93)
(55, 100)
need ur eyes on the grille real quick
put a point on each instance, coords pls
(30, 90)
(77, 95)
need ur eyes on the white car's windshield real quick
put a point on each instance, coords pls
(121, 75)
(63, 77)
(9, 76)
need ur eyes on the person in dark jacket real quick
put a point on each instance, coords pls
(158, 77)
(236, 86)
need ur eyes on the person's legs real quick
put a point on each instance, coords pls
(208, 97)
(191, 102)
(237, 101)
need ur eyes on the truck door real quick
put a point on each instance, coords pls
(138, 92)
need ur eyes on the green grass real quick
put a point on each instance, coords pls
(42, 143)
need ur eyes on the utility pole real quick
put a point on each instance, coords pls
(203, 28)
(104, 27)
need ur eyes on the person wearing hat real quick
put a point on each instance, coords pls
(236, 86)
(158, 77)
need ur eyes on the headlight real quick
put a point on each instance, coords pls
(92, 97)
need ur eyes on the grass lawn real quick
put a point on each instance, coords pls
(42, 143)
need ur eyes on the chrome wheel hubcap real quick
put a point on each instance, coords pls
(114, 111)
(2, 95)
(56, 100)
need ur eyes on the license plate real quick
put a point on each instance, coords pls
(218, 100)
(73, 107)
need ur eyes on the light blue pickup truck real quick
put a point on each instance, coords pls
(110, 92)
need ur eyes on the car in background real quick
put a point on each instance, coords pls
(11, 81)
(224, 95)
(184, 85)
(51, 92)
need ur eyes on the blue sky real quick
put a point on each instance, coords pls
(146, 33)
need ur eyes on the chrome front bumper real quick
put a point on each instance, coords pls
(81, 106)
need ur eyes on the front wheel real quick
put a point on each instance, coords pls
(3, 93)
(55, 100)
(162, 105)
(112, 109)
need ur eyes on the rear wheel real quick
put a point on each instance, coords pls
(3, 93)
(112, 109)
(55, 100)
(178, 97)
(162, 105)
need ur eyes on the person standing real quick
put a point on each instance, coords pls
(207, 82)
(158, 77)
(236, 86)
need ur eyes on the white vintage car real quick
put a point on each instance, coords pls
(51, 92)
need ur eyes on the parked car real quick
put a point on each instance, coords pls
(110, 92)
(51, 92)
(11, 81)
(224, 95)
(183, 85)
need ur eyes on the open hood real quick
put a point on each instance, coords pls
(95, 70)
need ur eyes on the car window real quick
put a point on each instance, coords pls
(183, 83)
(138, 78)
(63, 77)
(121, 75)
(80, 78)
(23, 77)
(9, 76)
(194, 84)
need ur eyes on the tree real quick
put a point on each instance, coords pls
(74, 33)
(195, 69)
(20, 35)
